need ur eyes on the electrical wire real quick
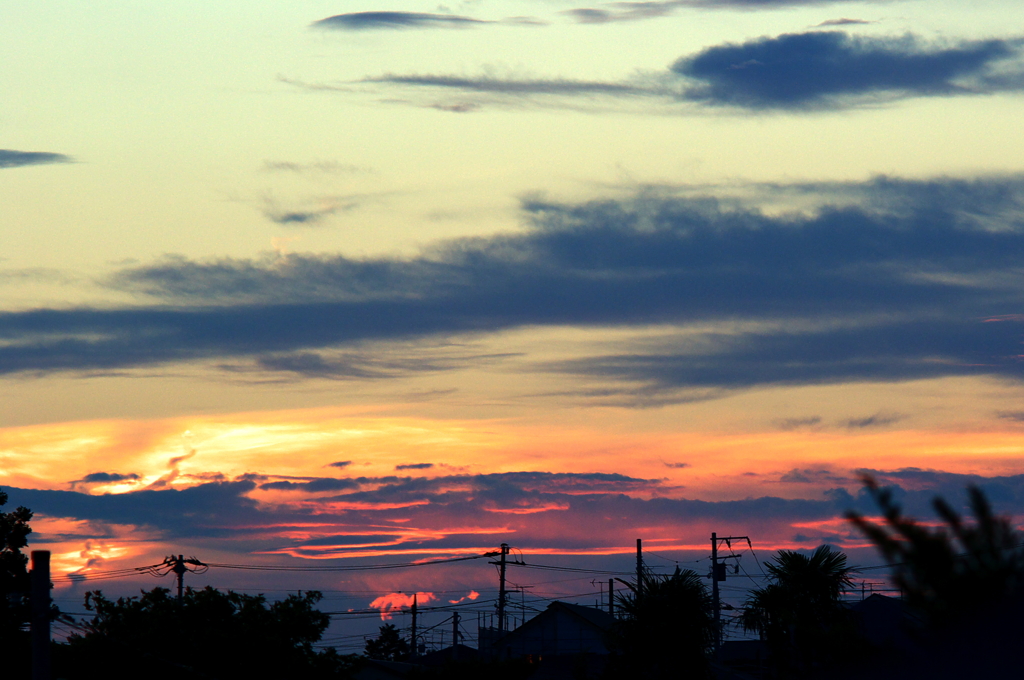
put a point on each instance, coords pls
(551, 567)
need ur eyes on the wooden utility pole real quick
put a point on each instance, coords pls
(179, 570)
(611, 596)
(718, 574)
(639, 570)
(455, 636)
(501, 589)
(414, 611)
(714, 591)
(39, 602)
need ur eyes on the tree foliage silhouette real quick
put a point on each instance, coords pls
(799, 612)
(209, 634)
(14, 587)
(947, 572)
(668, 626)
(14, 579)
(388, 645)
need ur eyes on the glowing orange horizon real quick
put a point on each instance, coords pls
(304, 444)
(367, 448)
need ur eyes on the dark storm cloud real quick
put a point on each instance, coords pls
(10, 158)
(359, 21)
(886, 280)
(415, 466)
(800, 70)
(340, 464)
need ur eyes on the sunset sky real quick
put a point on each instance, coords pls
(327, 283)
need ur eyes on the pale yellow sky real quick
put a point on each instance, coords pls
(233, 135)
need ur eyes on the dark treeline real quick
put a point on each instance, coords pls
(962, 583)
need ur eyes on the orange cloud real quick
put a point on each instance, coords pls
(393, 602)
(471, 596)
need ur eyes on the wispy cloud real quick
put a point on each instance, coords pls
(884, 281)
(876, 420)
(653, 9)
(361, 21)
(326, 167)
(311, 212)
(814, 476)
(797, 423)
(372, 361)
(844, 22)
(300, 216)
(811, 71)
(514, 86)
(10, 158)
(94, 478)
(397, 20)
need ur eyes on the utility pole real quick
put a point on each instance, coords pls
(177, 566)
(501, 589)
(414, 611)
(611, 597)
(179, 571)
(718, 574)
(639, 570)
(455, 636)
(39, 602)
(714, 591)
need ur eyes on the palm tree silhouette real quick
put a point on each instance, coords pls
(799, 612)
(668, 627)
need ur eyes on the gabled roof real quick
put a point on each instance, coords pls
(443, 656)
(593, 616)
(587, 617)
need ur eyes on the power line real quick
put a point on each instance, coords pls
(551, 567)
(159, 569)
(360, 567)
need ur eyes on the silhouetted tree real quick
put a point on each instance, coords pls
(946, 572)
(14, 588)
(388, 645)
(211, 634)
(669, 627)
(800, 612)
